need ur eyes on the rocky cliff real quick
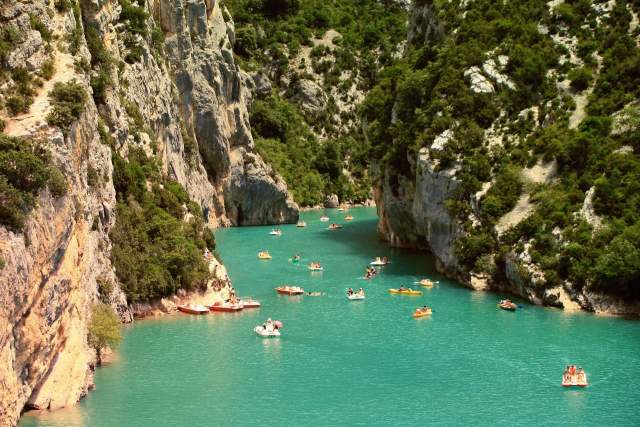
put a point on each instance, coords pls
(160, 75)
(476, 154)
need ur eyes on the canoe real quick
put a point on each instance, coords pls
(417, 314)
(193, 309)
(356, 297)
(226, 307)
(290, 291)
(249, 303)
(265, 333)
(405, 292)
(264, 255)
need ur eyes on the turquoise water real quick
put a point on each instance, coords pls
(369, 362)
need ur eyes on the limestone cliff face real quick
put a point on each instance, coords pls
(192, 103)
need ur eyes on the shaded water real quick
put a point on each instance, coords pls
(369, 362)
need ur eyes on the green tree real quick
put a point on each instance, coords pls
(104, 329)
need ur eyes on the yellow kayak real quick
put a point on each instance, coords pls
(420, 313)
(405, 292)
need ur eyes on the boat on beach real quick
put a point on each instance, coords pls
(507, 304)
(264, 255)
(226, 307)
(193, 309)
(289, 290)
(405, 291)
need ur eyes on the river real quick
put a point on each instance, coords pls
(368, 362)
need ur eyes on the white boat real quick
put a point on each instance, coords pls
(355, 297)
(324, 218)
(275, 233)
(266, 332)
(378, 262)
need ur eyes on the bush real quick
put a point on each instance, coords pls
(580, 78)
(48, 69)
(104, 329)
(68, 101)
(18, 104)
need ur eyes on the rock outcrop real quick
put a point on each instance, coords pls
(178, 95)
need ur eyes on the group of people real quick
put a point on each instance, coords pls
(370, 272)
(571, 374)
(270, 325)
(350, 292)
(315, 265)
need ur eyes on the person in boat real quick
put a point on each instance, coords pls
(402, 288)
(296, 257)
(361, 291)
(385, 260)
(350, 291)
(580, 374)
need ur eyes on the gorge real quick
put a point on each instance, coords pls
(500, 138)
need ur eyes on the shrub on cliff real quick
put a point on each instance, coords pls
(68, 102)
(25, 168)
(104, 329)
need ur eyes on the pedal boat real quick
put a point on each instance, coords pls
(193, 309)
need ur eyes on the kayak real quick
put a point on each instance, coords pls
(193, 309)
(266, 333)
(405, 292)
(355, 297)
(420, 313)
(264, 255)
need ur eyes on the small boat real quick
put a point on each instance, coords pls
(265, 332)
(507, 304)
(226, 307)
(334, 227)
(315, 267)
(249, 303)
(348, 218)
(301, 224)
(193, 309)
(577, 379)
(340, 209)
(289, 290)
(264, 255)
(295, 259)
(422, 312)
(276, 232)
(379, 261)
(405, 291)
(324, 218)
(356, 296)
(426, 283)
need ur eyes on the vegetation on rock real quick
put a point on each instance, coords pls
(104, 329)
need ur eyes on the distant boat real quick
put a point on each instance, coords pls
(275, 232)
(427, 283)
(405, 291)
(266, 332)
(341, 209)
(379, 261)
(315, 267)
(249, 303)
(420, 312)
(356, 296)
(348, 218)
(507, 304)
(301, 224)
(334, 227)
(324, 218)
(576, 379)
(226, 307)
(289, 290)
(193, 309)
(264, 255)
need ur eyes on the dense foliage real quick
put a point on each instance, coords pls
(428, 93)
(25, 169)
(315, 155)
(160, 236)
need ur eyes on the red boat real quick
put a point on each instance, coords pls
(226, 307)
(193, 309)
(250, 303)
(290, 290)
